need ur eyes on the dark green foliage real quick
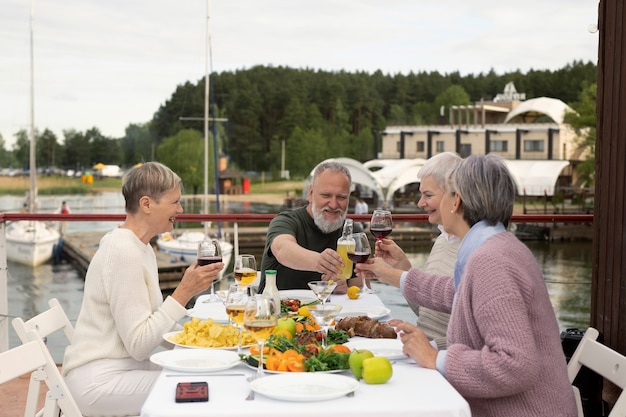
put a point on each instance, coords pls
(321, 114)
(316, 114)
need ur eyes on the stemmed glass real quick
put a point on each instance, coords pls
(260, 319)
(324, 314)
(235, 303)
(209, 252)
(245, 270)
(360, 254)
(322, 289)
(381, 224)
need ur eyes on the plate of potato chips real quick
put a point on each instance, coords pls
(208, 334)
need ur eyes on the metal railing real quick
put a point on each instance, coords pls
(223, 218)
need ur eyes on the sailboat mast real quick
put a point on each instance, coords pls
(33, 169)
(206, 121)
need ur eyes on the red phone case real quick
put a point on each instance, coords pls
(187, 392)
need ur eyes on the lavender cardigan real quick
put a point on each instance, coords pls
(504, 349)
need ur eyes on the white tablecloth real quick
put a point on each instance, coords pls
(412, 391)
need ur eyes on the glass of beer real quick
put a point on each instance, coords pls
(245, 270)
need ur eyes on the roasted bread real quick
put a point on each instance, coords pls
(366, 327)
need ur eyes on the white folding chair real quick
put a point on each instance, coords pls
(33, 356)
(602, 360)
(40, 327)
(46, 323)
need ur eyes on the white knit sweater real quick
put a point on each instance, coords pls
(123, 313)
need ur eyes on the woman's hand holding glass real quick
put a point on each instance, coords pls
(378, 268)
(392, 254)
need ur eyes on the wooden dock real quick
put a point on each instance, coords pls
(79, 248)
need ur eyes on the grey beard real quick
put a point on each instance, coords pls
(325, 225)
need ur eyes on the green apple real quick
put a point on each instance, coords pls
(286, 323)
(377, 370)
(356, 359)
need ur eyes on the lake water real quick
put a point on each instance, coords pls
(566, 267)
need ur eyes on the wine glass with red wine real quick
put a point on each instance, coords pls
(381, 224)
(359, 253)
(209, 252)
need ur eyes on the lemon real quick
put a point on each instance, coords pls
(304, 312)
(353, 292)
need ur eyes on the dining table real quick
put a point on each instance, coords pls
(411, 391)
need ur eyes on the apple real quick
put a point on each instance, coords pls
(288, 324)
(377, 370)
(356, 359)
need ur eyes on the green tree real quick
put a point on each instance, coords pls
(49, 151)
(21, 149)
(137, 144)
(77, 150)
(583, 121)
(184, 154)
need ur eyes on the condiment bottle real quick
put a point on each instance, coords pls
(270, 287)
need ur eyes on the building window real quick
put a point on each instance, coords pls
(420, 146)
(533, 145)
(499, 146)
(441, 146)
(466, 150)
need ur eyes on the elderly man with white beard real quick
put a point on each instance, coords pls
(301, 243)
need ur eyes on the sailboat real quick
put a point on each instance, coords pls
(31, 242)
(185, 246)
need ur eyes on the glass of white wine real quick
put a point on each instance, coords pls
(235, 303)
(260, 319)
(245, 270)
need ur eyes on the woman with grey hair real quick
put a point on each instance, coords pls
(123, 316)
(504, 351)
(433, 178)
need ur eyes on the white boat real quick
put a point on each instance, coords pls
(31, 242)
(185, 246)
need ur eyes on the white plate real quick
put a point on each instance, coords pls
(304, 386)
(167, 337)
(373, 312)
(306, 296)
(389, 348)
(196, 360)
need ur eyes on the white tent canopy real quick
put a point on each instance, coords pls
(529, 110)
(536, 178)
(532, 177)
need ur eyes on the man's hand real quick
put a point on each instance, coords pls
(329, 263)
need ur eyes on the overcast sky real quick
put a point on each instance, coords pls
(109, 63)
